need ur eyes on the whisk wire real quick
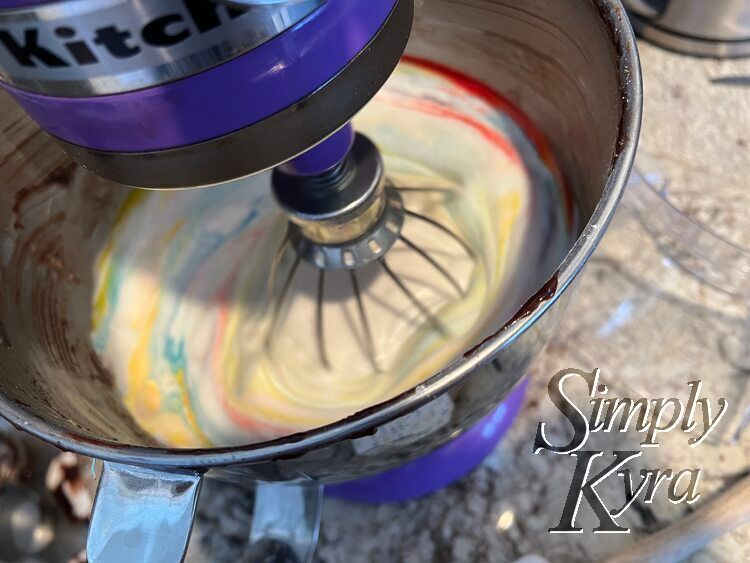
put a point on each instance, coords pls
(276, 264)
(369, 342)
(443, 228)
(428, 189)
(279, 301)
(436, 324)
(319, 319)
(435, 264)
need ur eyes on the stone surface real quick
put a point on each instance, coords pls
(697, 124)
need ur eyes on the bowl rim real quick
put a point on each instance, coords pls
(364, 422)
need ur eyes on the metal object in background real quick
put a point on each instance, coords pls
(713, 28)
(571, 66)
(287, 522)
(37, 522)
(26, 526)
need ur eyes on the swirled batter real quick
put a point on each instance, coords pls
(182, 314)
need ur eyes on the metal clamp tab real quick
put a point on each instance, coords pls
(142, 515)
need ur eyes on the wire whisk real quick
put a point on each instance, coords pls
(352, 281)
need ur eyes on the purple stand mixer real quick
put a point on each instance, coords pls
(189, 93)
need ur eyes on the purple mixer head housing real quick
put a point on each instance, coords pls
(176, 93)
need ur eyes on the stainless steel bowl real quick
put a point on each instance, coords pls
(697, 27)
(571, 66)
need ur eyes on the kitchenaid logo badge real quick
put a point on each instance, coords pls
(109, 34)
(696, 417)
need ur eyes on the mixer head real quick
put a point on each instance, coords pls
(184, 93)
(189, 93)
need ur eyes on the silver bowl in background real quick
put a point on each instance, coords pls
(696, 27)
(571, 66)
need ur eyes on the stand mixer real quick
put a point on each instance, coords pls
(178, 94)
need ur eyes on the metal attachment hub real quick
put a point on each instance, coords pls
(370, 246)
(344, 218)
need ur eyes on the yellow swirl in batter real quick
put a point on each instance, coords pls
(181, 311)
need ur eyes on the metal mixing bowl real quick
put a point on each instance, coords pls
(571, 66)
